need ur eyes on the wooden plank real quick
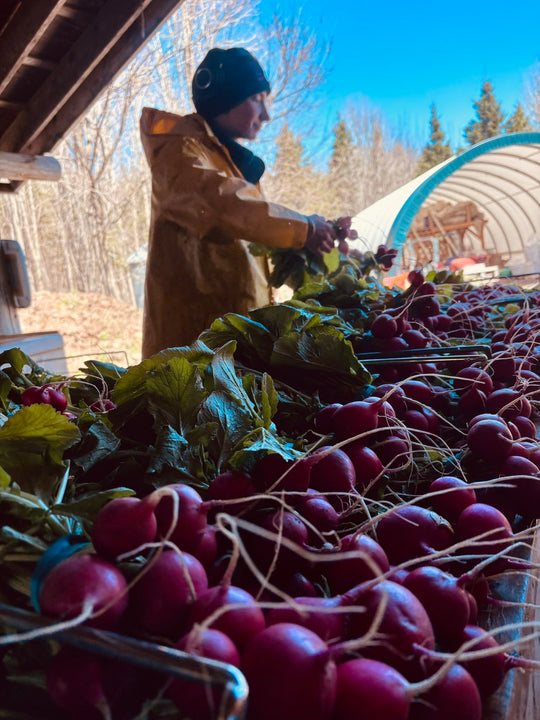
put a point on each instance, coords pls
(17, 166)
(26, 29)
(96, 41)
(102, 74)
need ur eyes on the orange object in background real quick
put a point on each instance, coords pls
(461, 262)
(397, 281)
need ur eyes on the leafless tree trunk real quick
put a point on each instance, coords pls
(532, 94)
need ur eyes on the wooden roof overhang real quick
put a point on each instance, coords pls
(56, 56)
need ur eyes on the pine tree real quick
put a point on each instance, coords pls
(436, 151)
(291, 178)
(490, 118)
(519, 121)
(341, 171)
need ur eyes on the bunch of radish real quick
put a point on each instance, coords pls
(348, 583)
(389, 615)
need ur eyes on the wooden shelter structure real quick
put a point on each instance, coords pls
(56, 56)
(439, 231)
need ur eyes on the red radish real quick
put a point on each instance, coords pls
(323, 420)
(237, 613)
(484, 520)
(344, 573)
(265, 551)
(201, 700)
(441, 401)
(355, 418)
(32, 395)
(454, 696)
(372, 690)
(503, 365)
(525, 427)
(191, 520)
(298, 585)
(230, 485)
(526, 495)
(315, 508)
(161, 598)
(415, 420)
(47, 395)
(488, 672)
(85, 579)
(207, 548)
(102, 405)
(454, 496)
(394, 453)
(392, 394)
(398, 574)
(385, 411)
(415, 339)
(122, 525)
(318, 614)
(524, 448)
(412, 531)
(487, 416)
(274, 472)
(472, 402)
(415, 278)
(434, 423)
(417, 390)
(75, 681)
(490, 440)
(384, 326)
(291, 675)
(334, 472)
(395, 343)
(443, 598)
(366, 462)
(508, 403)
(403, 625)
(473, 378)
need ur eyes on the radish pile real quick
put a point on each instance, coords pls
(344, 564)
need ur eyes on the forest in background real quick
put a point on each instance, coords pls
(80, 233)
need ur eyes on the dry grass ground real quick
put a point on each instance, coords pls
(92, 326)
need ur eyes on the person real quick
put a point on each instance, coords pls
(207, 205)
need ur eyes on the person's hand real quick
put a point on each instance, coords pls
(321, 235)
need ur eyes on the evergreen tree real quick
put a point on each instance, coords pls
(342, 168)
(292, 177)
(489, 117)
(519, 121)
(436, 150)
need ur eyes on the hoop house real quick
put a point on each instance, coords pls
(499, 176)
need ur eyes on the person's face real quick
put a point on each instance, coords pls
(246, 119)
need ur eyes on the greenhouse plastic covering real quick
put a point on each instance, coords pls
(500, 175)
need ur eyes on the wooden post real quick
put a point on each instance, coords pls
(17, 166)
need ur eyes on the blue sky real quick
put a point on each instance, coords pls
(402, 56)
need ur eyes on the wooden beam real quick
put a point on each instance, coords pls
(94, 44)
(47, 135)
(8, 105)
(14, 166)
(34, 61)
(26, 29)
(8, 187)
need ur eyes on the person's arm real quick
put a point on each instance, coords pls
(192, 192)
